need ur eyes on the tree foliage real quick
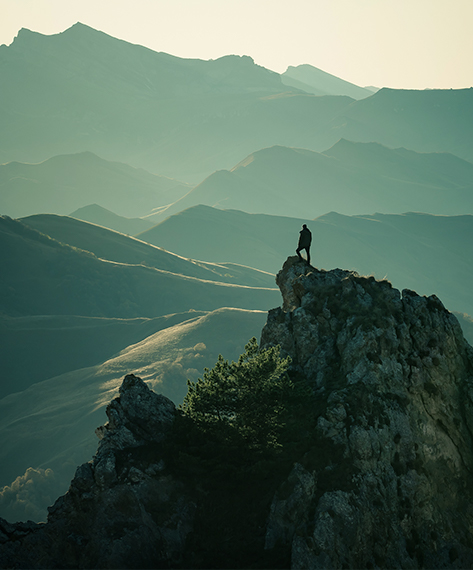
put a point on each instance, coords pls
(242, 400)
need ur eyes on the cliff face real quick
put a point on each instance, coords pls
(393, 377)
(383, 478)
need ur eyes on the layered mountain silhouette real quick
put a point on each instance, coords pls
(117, 247)
(350, 178)
(44, 276)
(50, 287)
(314, 80)
(430, 254)
(83, 90)
(65, 183)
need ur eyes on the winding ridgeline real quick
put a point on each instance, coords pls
(372, 466)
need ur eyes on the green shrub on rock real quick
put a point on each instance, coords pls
(242, 401)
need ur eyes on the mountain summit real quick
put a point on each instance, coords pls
(375, 467)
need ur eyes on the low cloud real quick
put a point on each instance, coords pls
(28, 497)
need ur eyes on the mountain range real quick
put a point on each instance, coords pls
(82, 90)
(350, 178)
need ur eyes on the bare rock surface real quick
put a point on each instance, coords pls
(393, 378)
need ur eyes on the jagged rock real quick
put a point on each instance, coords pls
(122, 510)
(393, 376)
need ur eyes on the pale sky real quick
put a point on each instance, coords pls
(411, 44)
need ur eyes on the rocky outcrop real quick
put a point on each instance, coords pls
(393, 378)
(122, 509)
(376, 470)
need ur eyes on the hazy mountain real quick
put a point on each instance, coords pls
(430, 254)
(51, 424)
(113, 246)
(350, 178)
(95, 214)
(64, 183)
(84, 90)
(318, 82)
(43, 276)
(427, 121)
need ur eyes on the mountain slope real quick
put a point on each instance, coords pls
(42, 276)
(320, 82)
(44, 346)
(114, 246)
(427, 253)
(64, 183)
(350, 178)
(51, 424)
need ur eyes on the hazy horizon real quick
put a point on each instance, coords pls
(403, 45)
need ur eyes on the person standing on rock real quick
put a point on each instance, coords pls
(305, 239)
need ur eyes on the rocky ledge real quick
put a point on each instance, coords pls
(379, 470)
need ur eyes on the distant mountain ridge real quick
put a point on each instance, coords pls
(83, 90)
(116, 247)
(66, 182)
(321, 83)
(350, 178)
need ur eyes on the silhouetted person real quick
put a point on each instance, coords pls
(305, 239)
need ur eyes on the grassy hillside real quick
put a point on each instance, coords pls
(350, 178)
(43, 276)
(67, 182)
(114, 246)
(40, 347)
(51, 424)
(427, 253)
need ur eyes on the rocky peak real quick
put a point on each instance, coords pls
(393, 379)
